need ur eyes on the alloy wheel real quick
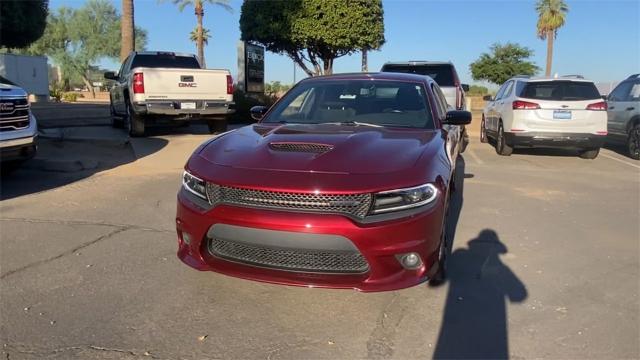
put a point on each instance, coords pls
(633, 143)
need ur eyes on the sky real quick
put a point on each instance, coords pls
(600, 39)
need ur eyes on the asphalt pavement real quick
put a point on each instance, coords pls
(545, 264)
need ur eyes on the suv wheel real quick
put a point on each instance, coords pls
(135, 122)
(441, 275)
(501, 145)
(633, 142)
(483, 132)
(217, 125)
(590, 153)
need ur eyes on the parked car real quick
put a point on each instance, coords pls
(564, 112)
(445, 74)
(624, 115)
(343, 183)
(154, 86)
(18, 126)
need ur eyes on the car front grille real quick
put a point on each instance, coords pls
(14, 114)
(314, 261)
(356, 205)
(300, 147)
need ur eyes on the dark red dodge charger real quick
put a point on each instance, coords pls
(343, 183)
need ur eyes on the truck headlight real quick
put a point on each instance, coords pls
(401, 199)
(194, 185)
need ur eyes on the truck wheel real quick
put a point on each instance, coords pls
(501, 145)
(116, 121)
(135, 122)
(217, 125)
(465, 140)
(483, 132)
(590, 153)
(633, 142)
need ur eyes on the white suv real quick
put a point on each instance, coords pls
(546, 112)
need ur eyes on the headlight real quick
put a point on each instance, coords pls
(194, 185)
(400, 199)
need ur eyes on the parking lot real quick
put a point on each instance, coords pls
(545, 263)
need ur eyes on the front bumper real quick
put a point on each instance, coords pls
(174, 108)
(378, 243)
(553, 139)
(18, 149)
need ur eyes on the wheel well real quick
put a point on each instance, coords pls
(633, 122)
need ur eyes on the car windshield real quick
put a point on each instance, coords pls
(560, 90)
(6, 82)
(356, 102)
(165, 61)
(441, 73)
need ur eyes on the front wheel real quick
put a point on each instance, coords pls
(483, 132)
(217, 125)
(465, 140)
(590, 154)
(633, 142)
(441, 275)
(501, 144)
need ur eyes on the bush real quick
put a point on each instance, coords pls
(477, 90)
(56, 93)
(244, 103)
(71, 96)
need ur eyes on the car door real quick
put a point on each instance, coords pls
(503, 106)
(619, 107)
(493, 118)
(118, 90)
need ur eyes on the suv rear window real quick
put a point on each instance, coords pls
(165, 61)
(559, 90)
(441, 73)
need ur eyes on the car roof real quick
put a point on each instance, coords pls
(578, 78)
(418, 62)
(163, 52)
(373, 76)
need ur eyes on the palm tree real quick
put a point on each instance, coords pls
(551, 17)
(365, 61)
(193, 36)
(198, 5)
(127, 28)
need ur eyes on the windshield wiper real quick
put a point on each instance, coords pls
(352, 123)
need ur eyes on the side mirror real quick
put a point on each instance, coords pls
(457, 117)
(465, 87)
(257, 112)
(110, 75)
(487, 98)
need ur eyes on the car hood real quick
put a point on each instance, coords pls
(321, 148)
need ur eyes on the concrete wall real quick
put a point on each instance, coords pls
(29, 72)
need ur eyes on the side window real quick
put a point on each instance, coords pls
(634, 93)
(500, 91)
(122, 67)
(441, 104)
(126, 67)
(300, 107)
(507, 90)
(519, 87)
(621, 92)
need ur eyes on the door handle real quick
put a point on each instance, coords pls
(611, 107)
(630, 108)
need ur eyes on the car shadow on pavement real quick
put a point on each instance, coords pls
(474, 324)
(60, 163)
(456, 200)
(546, 152)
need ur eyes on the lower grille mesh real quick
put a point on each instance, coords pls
(290, 259)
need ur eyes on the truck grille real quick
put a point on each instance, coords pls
(318, 261)
(356, 205)
(14, 114)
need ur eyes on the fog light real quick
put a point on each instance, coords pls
(186, 238)
(410, 261)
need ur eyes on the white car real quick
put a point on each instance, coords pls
(565, 112)
(18, 126)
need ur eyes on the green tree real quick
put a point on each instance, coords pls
(22, 22)
(78, 38)
(551, 17)
(193, 36)
(503, 62)
(198, 5)
(275, 88)
(127, 30)
(314, 32)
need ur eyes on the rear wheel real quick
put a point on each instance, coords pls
(217, 125)
(590, 153)
(135, 123)
(633, 142)
(483, 132)
(501, 145)
(116, 121)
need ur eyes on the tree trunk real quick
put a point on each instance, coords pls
(365, 65)
(200, 41)
(328, 66)
(89, 85)
(127, 30)
(550, 36)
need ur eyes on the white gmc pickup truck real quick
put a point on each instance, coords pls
(155, 87)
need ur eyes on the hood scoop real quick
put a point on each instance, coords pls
(304, 147)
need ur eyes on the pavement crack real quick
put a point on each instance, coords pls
(41, 353)
(68, 252)
(381, 341)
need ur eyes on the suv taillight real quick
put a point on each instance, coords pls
(229, 85)
(599, 106)
(525, 105)
(138, 83)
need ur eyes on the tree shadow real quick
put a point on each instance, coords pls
(474, 324)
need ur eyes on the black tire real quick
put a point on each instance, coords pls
(135, 122)
(501, 144)
(633, 142)
(441, 275)
(465, 140)
(116, 121)
(217, 125)
(483, 132)
(590, 153)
